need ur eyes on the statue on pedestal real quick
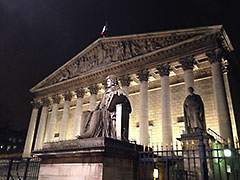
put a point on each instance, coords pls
(194, 117)
(102, 121)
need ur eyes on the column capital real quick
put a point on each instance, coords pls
(56, 99)
(80, 92)
(214, 55)
(35, 104)
(45, 101)
(125, 80)
(163, 69)
(93, 88)
(68, 96)
(187, 62)
(143, 75)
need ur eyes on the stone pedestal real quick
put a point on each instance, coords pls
(93, 158)
(194, 154)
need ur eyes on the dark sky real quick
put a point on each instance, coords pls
(39, 36)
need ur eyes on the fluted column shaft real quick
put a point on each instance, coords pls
(78, 113)
(93, 89)
(65, 116)
(31, 129)
(53, 119)
(143, 122)
(220, 95)
(166, 107)
(187, 65)
(42, 124)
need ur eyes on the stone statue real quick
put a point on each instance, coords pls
(102, 121)
(194, 117)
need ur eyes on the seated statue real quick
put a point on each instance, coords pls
(102, 121)
(194, 117)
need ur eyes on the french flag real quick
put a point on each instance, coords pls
(104, 29)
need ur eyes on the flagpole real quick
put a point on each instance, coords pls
(106, 28)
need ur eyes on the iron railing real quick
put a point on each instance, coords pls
(205, 161)
(19, 169)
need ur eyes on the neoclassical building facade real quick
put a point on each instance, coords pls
(155, 70)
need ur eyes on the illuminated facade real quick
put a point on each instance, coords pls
(155, 69)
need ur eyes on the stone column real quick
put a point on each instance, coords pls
(220, 94)
(31, 129)
(78, 112)
(125, 82)
(143, 122)
(93, 89)
(53, 120)
(187, 65)
(42, 124)
(166, 106)
(65, 116)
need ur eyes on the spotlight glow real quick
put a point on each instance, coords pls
(155, 173)
(227, 152)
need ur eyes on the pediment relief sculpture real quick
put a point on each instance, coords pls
(106, 53)
(113, 50)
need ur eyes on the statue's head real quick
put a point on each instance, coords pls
(111, 80)
(190, 90)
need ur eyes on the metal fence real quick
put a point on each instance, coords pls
(205, 161)
(19, 169)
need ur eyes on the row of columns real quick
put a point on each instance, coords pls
(163, 69)
(187, 63)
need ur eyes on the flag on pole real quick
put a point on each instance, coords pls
(104, 29)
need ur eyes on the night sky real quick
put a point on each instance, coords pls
(39, 36)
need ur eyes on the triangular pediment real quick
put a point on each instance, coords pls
(105, 51)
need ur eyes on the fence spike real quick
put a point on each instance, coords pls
(229, 143)
(144, 148)
(187, 144)
(162, 147)
(153, 147)
(176, 145)
(237, 145)
(216, 143)
(182, 145)
(148, 147)
(157, 147)
(223, 143)
(210, 143)
(166, 146)
(193, 145)
(172, 144)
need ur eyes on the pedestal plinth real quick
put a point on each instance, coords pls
(194, 154)
(195, 137)
(93, 158)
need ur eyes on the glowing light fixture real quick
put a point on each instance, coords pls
(227, 152)
(155, 173)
